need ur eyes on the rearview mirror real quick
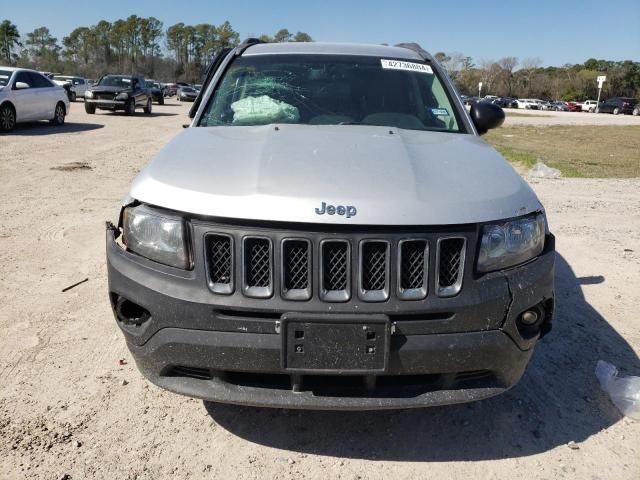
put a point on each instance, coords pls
(486, 116)
(21, 85)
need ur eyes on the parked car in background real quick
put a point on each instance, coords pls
(558, 106)
(618, 105)
(187, 94)
(157, 92)
(527, 103)
(509, 102)
(26, 95)
(78, 85)
(170, 89)
(589, 106)
(468, 100)
(118, 92)
(574, 106)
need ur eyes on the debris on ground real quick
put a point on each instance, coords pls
(74, 285)
(71, 166)
(623, 391)
(540, 170)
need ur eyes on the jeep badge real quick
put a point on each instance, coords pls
(348, 210)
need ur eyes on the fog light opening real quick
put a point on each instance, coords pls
(131, 313)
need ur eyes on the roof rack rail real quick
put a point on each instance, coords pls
(246, 43)
(416, 48)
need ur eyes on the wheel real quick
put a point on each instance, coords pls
(591, 110)
(616, 111)
(73, 97)
(7, 118)
(58, 115)
(148, 107)
(90, 108)
(161, 101)
(636, 112)
(130, 107)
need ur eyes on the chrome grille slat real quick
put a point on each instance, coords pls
(373, 275)
(257, 267)
(450, 268)
(220, 262)
(413, 266)
(296, 269)
(335, 266)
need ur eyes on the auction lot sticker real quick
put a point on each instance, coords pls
(407, 66)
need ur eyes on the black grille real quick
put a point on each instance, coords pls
(257, 258)
(450, 256)
(335, 265)
(220, 258)
(412, 264)
(296, 264)
(374, 266)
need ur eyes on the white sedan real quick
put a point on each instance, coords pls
(27, 96)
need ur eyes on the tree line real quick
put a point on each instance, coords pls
(135, 44)
(526, 78)
(182, 52)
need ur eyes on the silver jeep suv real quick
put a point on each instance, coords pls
(331, 232)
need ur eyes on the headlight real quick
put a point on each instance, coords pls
(88, 94)
(512, 242)
(156, 236)
(122, 96)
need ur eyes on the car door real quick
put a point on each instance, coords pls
(80, 86)
(47, 96)
(25, 100)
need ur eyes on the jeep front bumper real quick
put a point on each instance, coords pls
(229, 349)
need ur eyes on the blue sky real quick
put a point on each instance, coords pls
(558, 31)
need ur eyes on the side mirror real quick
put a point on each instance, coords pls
(486, 116)
(22, 85)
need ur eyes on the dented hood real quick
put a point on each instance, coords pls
(389, 176)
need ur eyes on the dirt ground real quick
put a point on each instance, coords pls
(73, 405)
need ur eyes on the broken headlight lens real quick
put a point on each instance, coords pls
(510, 243)
(156, 236)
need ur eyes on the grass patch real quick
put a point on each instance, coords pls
(595, 151)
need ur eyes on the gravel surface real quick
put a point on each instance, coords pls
(73, 405)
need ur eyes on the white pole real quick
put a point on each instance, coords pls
(598, 101)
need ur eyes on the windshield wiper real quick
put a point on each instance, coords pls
(360, 123)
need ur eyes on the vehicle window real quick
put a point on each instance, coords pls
(39, 81)
(24, 77)
(331, 90)
(5, 76)
(115, 81)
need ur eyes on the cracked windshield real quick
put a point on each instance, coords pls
(331, 90)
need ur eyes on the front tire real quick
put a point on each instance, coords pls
(616, 111)
(58, 115)
(161, 101)
(7, 118)
(74, 96)
(148, 107)
(89, 108)
(130, 107)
